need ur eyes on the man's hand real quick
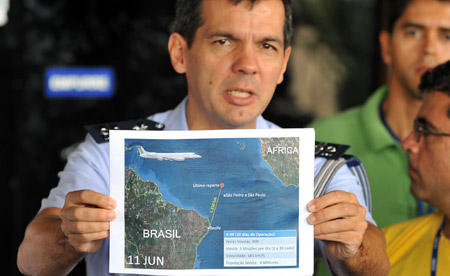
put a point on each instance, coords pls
(352, 245)
(85, 219)
(340, 221)
(56, 240)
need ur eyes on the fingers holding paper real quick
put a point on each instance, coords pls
(339, 220)
(85, 219)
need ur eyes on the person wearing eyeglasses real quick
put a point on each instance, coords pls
(416, 39)
(421, 246)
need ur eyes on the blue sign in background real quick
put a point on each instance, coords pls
(79, 82)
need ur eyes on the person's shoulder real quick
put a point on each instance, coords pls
(397, 228)
(347, 117)
(341, 128)
(160, 117)
(352, 117)
(100, 132)
(411, 224)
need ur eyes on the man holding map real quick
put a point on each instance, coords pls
(234, 54)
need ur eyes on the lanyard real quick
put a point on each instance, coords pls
(435, 249)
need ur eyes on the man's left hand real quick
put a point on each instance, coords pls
(340, 221)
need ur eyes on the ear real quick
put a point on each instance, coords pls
(287, 54)
(177, 49)
(386, 47)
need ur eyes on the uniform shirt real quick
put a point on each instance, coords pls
(409, 246)
(384, 160)
(88, 168)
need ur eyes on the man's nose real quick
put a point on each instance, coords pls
(246, 60)
(430, 43)
(410, 143)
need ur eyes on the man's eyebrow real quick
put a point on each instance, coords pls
(273, 39)
(412, 25)
(229, 35)
(219, 34)
(420, 26)
(444, 29)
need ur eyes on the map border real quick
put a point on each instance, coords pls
(306, 176)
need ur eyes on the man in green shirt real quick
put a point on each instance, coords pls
(417, 40)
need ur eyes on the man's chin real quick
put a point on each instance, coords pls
(241, 124)
(416, 190)
(415, 92)
(240, 120)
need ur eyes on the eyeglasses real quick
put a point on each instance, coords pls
(420, 128)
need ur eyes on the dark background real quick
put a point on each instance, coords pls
(131, 37)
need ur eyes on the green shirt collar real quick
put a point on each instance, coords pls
(378, 136)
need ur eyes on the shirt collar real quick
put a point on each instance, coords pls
(378, 135)
(177, 118)
(385, 123)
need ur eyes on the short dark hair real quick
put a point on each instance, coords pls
(436, 80)
(396, 8)
(188, 19)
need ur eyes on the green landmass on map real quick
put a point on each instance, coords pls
(144, 209)
(284, 166)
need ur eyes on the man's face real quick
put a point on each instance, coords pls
(429, 160)
(235, 62)
(420, 40)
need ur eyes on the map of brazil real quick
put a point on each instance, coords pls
(208, 204)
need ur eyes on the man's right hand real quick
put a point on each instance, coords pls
(85, 219)
(56, 240)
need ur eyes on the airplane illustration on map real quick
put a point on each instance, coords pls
(170, 156)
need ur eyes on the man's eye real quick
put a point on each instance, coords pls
(268, 46)
(424, 129)
(223, 42)
(413, 33)
(447, 36)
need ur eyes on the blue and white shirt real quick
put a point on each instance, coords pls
(88, 168)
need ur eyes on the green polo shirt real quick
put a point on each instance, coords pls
(382, 156)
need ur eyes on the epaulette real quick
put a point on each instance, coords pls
(329, 150)
(335, 160)
(100, 132)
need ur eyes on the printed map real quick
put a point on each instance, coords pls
(193, 203)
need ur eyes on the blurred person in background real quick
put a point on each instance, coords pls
(417, 39)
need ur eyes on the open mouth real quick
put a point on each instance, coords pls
(240, 94)
(411, 169)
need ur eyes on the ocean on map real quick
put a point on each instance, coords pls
(235, 162)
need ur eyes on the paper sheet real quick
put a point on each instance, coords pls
(224, 202)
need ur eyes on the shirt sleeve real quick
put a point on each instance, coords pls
(87, 168)
(343, 180)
